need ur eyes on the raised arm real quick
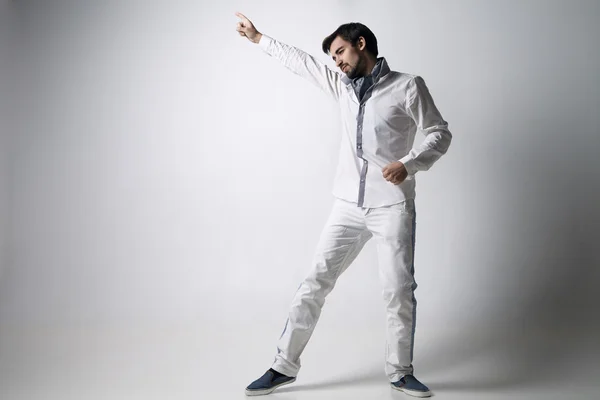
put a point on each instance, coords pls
(294, 59)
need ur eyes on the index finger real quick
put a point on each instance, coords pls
(242, 16)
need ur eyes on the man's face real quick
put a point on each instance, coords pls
(351, 60)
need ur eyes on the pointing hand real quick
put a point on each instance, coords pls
(246, 28)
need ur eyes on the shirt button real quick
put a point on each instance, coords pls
(360, 146)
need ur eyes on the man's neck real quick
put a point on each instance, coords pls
(371, 61)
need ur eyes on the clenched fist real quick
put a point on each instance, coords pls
(395, 172)
(246, 28)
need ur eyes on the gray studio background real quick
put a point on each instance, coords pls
(164, 184)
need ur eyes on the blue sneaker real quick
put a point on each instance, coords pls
(411, 386)
(270, 381)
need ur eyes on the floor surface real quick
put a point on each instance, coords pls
(90, 362)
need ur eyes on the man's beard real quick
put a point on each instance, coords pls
(356, 71)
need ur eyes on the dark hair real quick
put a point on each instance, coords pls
(351, 32)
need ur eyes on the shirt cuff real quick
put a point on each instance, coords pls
(265, 41)
(409, 164)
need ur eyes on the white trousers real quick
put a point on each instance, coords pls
(347, 230)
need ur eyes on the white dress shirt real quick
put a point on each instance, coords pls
(377, 130)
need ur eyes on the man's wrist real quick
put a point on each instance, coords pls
(409, 164)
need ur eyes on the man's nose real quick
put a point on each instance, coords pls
(339, 63)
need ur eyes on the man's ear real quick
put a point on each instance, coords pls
(361, 44)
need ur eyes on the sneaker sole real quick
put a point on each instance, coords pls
(414, 393)
(262, 392)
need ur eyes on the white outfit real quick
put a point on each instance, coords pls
(386, 120)
(377, 130)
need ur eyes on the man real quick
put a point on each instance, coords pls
(374, 190)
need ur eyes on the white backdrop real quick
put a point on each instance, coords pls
(6, 124)
(168, 171)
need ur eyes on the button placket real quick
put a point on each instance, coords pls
(359, 152)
